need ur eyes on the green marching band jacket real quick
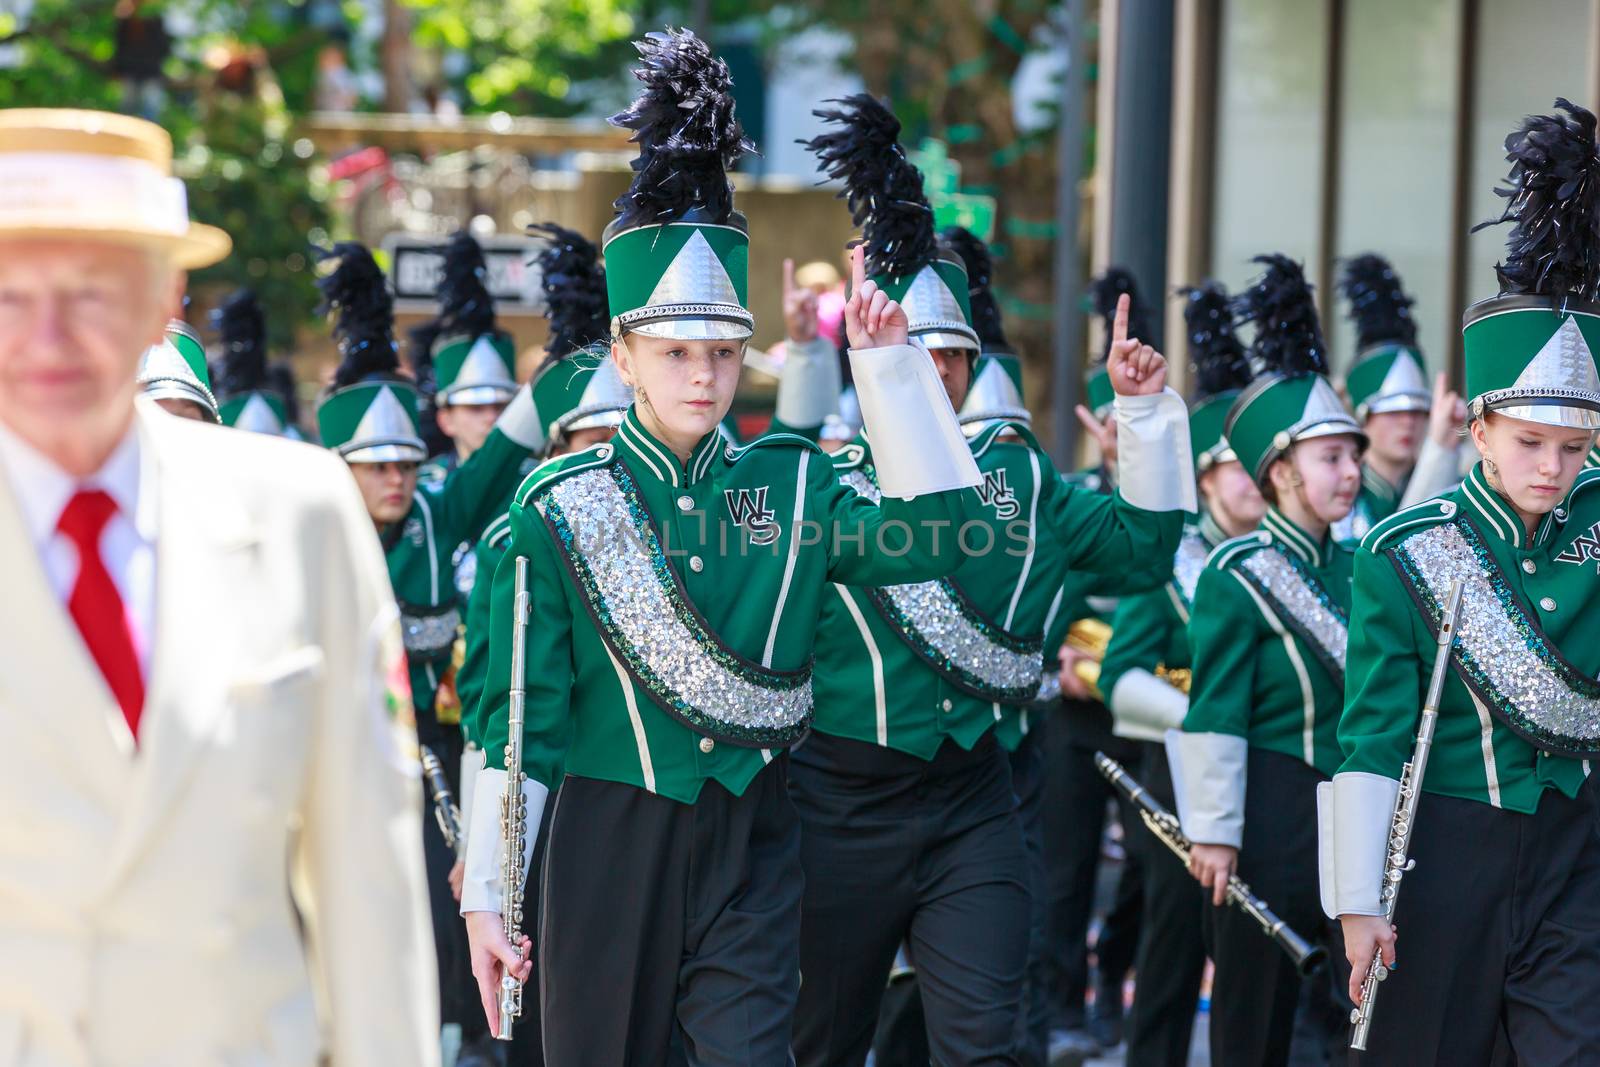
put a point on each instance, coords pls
(1267, 637)
(908, 666)
(1150, 641)
(1521, 693)
(673, 609)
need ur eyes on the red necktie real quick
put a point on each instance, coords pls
(97, 607)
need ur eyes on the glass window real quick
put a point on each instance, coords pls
(1526, 56)
(1271, 68)
(1397, 133)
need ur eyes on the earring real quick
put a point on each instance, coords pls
(1491, 473)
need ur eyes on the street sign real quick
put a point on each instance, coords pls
(415, 263)
(941, 183)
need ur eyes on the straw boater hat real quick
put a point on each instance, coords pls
(68, 173)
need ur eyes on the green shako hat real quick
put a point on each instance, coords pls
(473, 361)
(1290, 399)
(677, 254)
(996, 388)
(1221, 370)
(578, 387)
(176, 369)
(370, 416)
(1389, 374)
(1103, 295)
(886, 199)
(1530, 350)
(250, 397)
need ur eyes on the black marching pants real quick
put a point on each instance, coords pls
(1256, 987)
(1172, 953)
(1074, 820)
(930, 853)
(668, 925)
(1498, 946)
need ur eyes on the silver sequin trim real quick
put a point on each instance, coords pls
(429, 635)
(1495, 642)
(644, 615)
(1284, 584)
(1189, 561)
(940, 622)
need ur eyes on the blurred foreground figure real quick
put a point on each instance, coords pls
(210, 851)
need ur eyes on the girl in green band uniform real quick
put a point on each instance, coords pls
(1267, 635)
(675, 584)
(1497, 922)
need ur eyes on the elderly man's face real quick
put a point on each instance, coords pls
(75, 316)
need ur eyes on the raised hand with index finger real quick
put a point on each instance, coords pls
(799, 308)
(1136, 368)
(871, 319)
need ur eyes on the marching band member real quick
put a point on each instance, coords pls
(1267, 635)
(674, 587)
(1388, 388)
(251, 393)
(174, 374)
(1145, 675)
(911, 833)
(1496, 924)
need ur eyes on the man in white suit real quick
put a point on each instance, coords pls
(208, 800)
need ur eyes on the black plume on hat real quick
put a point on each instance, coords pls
(358, 294)
(243, 328)
(1219, 357)
(1553, 201)
(985, 311)
(1379, 306)
(881, 186)
(465, 304)
(1288, 333)
(1105, 290)
(574, 287)
(686, 130)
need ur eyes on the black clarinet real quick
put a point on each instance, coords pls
(444, 804)
(1307, 957)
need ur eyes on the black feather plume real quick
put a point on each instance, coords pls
(881, 187)
(1553, 201)
(465, 305)
(574, 287)
(357, 292)
(1218, 356)
(1105, 290)
(1379, 305)
(243, 327)
(686, 130)
(1288, 334)
(281, 377)
(985, 310)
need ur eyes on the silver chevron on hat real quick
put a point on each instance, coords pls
(993, 396)
(483, 377)
(1558, 387)
(165, 375)
(606, 397)
(934, 315)
(1324, 415)
(257, 416)
(385, 434)
(694, 301)
(1404, 387)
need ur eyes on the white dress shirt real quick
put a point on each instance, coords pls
(128, 542)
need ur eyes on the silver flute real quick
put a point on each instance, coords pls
(1398, 861)
(513, 809)
(1164, 825)
(444, 802)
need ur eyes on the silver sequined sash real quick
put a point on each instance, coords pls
(614, 556)
(429, 635)
(1501, 653)
(942, 626)
(1302, 604)
(1187, 564)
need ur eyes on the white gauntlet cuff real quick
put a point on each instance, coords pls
(1354, 812)
(482, 888)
